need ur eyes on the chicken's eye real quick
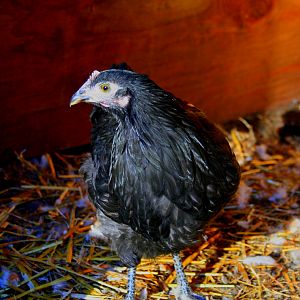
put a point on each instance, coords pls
(105, 87)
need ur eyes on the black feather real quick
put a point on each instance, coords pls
(159, 169)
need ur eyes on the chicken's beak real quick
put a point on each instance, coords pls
(78, 97)
(82, 94)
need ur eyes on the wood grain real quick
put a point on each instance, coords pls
(227, 57)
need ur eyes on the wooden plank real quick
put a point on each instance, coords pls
(227, 57)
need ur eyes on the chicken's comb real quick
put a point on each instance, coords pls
(93, 75)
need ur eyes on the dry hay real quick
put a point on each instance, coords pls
(252, 250)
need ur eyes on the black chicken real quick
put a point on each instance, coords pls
(159, 170)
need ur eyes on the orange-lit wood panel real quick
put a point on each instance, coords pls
(227, 57)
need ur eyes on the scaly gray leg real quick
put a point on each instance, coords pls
(131, 284)
(184, 291)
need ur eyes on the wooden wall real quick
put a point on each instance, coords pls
(228, 57)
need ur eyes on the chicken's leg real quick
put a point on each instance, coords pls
(183, 291)
(131, 284)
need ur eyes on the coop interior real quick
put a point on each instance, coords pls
(238, 61)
